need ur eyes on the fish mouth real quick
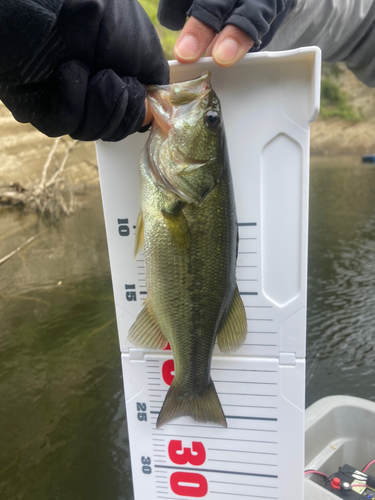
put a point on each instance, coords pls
(169, 102)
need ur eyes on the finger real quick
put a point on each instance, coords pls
(193, 41)
(231, 45)
(210, 47)
(148, 115)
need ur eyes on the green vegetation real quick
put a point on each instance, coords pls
(334, 101)
(168, 38)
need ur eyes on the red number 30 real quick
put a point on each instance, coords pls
(188, 483)
(196, 455)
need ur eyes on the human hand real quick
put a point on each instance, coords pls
(225, 29)
(226, 48)
(87, 77)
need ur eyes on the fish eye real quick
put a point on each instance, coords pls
(212, 120)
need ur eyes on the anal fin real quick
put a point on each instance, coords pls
(145, 332)
(233, 332)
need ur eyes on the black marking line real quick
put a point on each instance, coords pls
(241, 462)
(268, 333)
(258, 319)
(246, 223)
(263, 307)
(248, 293)
(242, 382)
(241, 394)
(247, 266)
(232, 416)
(253, 474)
(242, 369)
(221, 439)
(243, 495)
(249, 406)
(243, 451)
(215, 427)
(143, 293)
(252, 418)
(262, 345)
(242, 484)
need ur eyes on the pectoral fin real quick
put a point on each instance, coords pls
(139, 235)
(233, 332)
(177, 225)
(145, 332)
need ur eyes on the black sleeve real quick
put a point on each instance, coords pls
(254, 17)
(86, 77)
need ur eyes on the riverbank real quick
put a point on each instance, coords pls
(339, 137)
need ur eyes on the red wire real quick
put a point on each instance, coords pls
(368, 465)
(315, 472)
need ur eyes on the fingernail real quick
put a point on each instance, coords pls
(226, 51)
(187, 47)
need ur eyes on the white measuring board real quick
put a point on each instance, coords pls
(268, 101)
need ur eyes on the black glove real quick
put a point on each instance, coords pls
(254, 17)
(86, 78)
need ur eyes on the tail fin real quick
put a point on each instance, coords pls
(203, 408)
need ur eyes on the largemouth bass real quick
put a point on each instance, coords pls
(189, 231)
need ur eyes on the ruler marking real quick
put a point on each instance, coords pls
(240, 394)
(258, 319)
(243, 382)
(242, 484)
(246, 280)
(247, 253)
(252, 406)
(262, 345)
(247, 238)
(247, 266)
(243, 451)
(263, 307)
(273, 333)
(221, 439)
(248, 293)
(243, 370)
(252, 418)
(244, 463)
(226, 416)
(246, 224)
(214, 427)
(243, 495)
(272, 476)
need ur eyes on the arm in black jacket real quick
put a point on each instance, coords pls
(78, 66)
(259, 19)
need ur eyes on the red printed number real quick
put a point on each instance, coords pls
(196, 455)
(166, 371)
(189, 484)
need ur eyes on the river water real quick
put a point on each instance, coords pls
(62, 418)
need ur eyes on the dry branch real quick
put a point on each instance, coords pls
(7, 257)
(44, 196)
